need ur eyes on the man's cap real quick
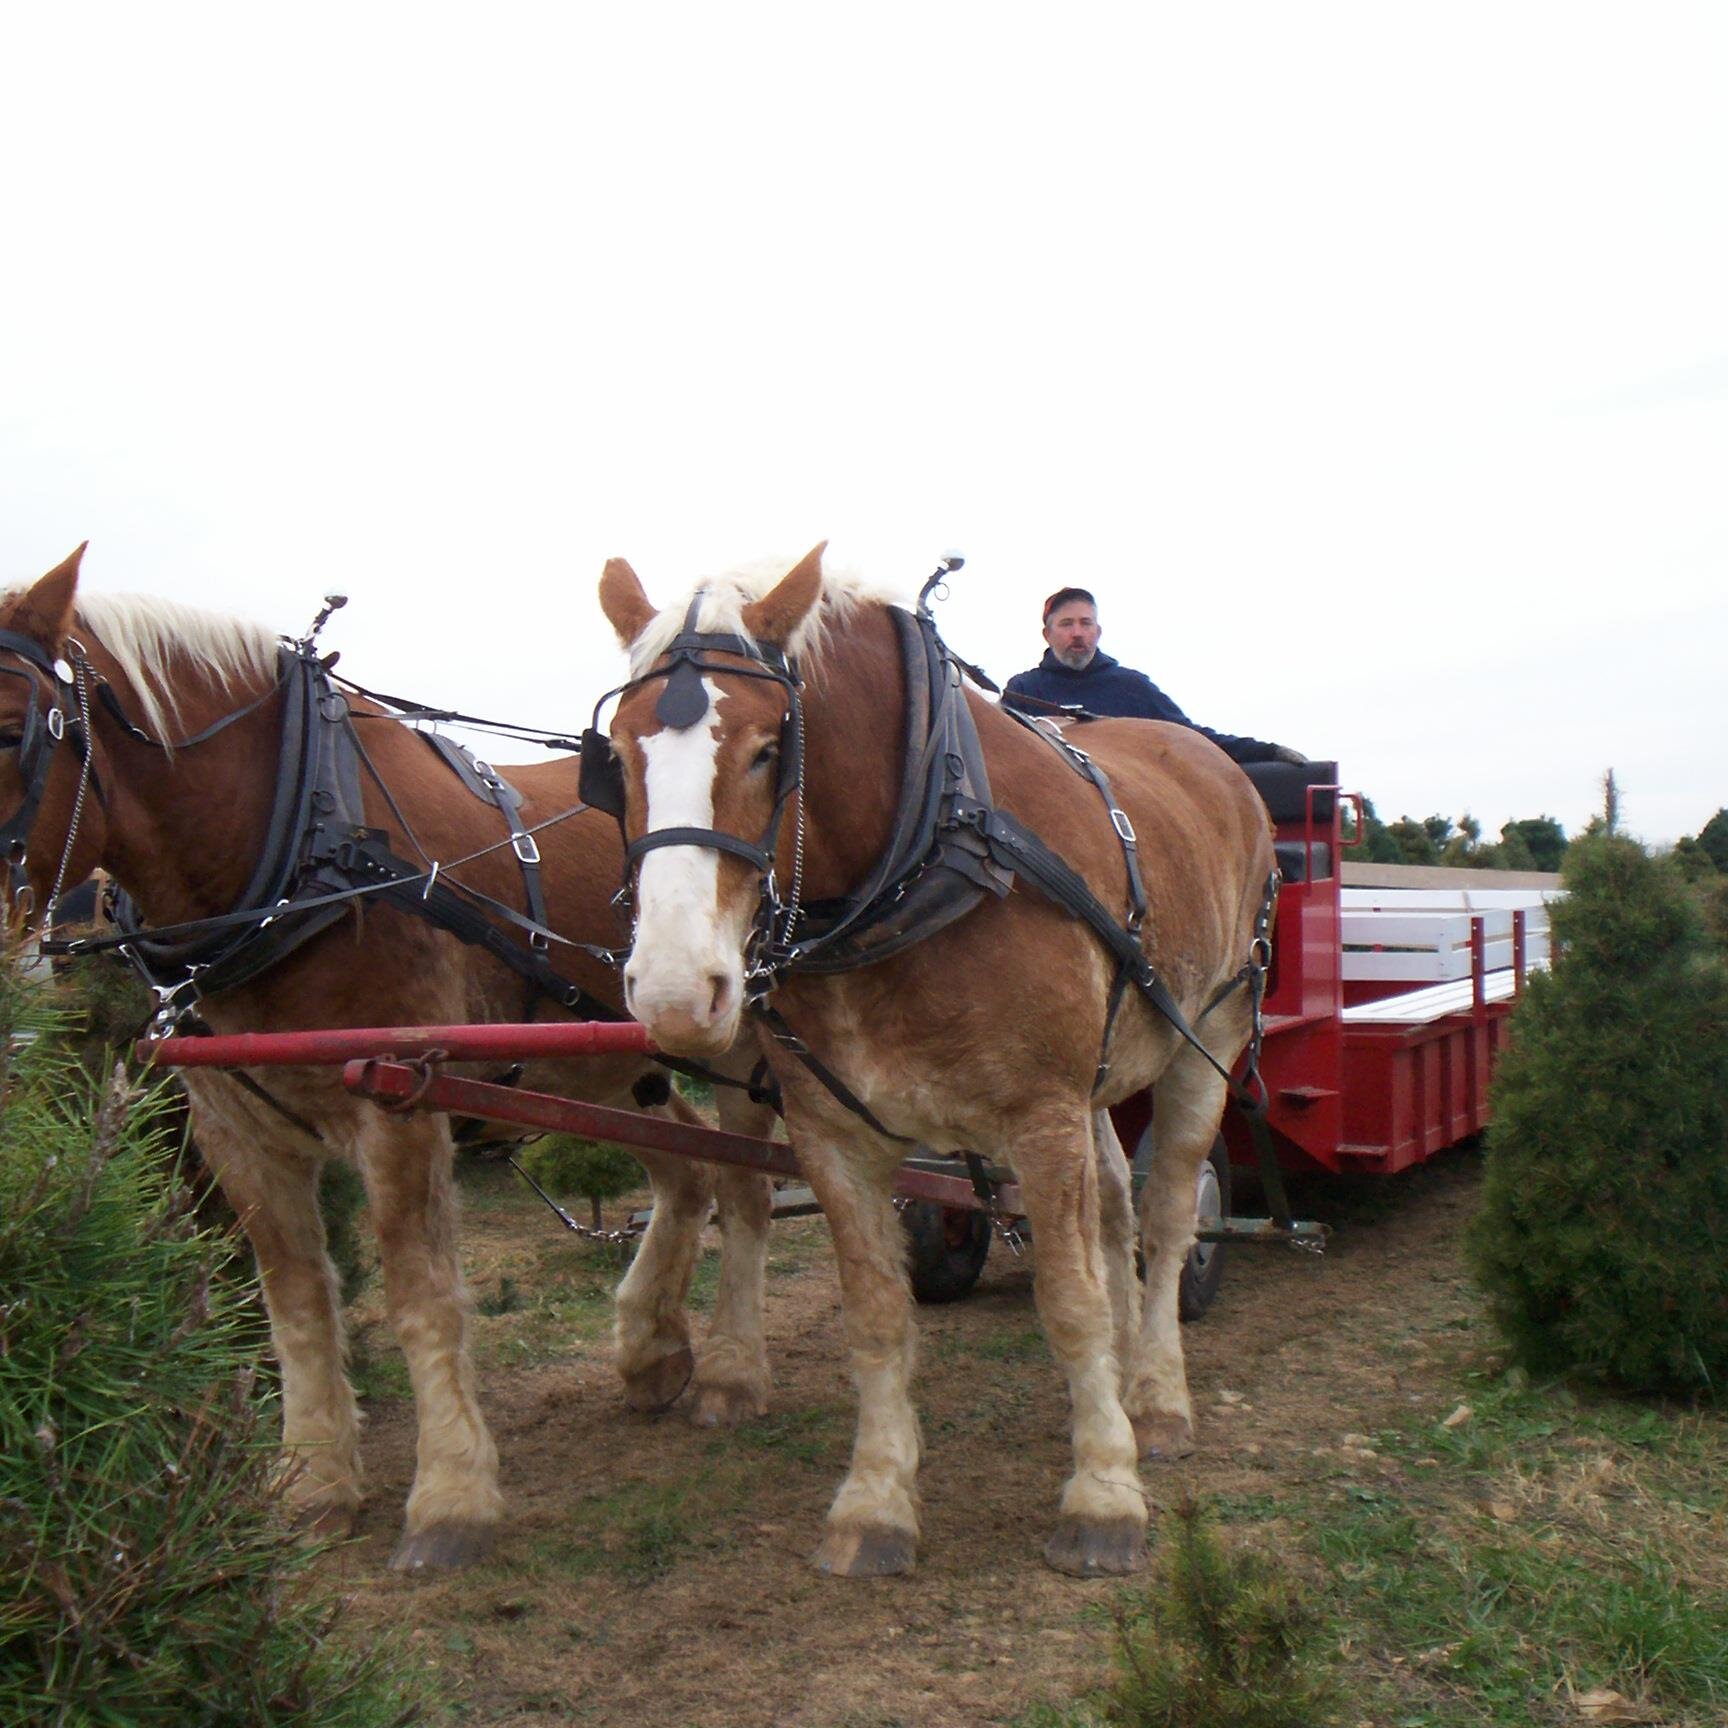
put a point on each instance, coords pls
(1063, 595)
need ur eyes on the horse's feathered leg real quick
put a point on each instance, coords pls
(650, 1329)
(1187, 1103)
(1118, 1238)
(273, 1188)
(732, 1377)
(1101, 1526)
(872, 1528)
(454, 1506)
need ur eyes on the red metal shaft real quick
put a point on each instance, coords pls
(396, 1083)
(503, 1042)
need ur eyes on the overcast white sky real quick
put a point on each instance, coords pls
(1370, 361)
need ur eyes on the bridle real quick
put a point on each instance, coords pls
(74, 674)
(683, 704)
(39, 737)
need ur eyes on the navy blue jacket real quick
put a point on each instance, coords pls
(1102, 686)
(1106, 686)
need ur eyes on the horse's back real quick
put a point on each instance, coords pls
(1184, 796)
(1182, 784)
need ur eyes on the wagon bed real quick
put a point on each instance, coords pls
(1390, 994)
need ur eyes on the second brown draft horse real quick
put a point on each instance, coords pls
(112, 680)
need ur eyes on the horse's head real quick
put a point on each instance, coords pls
(705, 742)
(43, 742)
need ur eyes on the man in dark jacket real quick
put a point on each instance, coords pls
(1073, 674)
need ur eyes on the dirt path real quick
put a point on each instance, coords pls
(652, 1573)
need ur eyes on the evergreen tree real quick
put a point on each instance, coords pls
(1603, 1235)
(1540, 837)
(1713, 839)
(146, 1576)
(1414, 840)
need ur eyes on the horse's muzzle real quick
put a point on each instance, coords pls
(695, 1015)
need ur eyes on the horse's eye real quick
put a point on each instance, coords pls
(765, 756)
(10, 737)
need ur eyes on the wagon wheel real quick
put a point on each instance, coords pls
(946, 1246)
(1203, 1271)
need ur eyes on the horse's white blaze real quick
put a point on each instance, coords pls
(686, 969)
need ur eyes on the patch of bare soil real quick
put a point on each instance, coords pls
(654, 1573)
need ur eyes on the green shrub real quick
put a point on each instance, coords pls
(145, 1575)
(1603, 1235)
(565, 1164)
(341, 1198)
(1223, 1640)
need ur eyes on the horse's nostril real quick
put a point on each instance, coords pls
(717, 1002)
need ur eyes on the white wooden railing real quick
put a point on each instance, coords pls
(1423, 938)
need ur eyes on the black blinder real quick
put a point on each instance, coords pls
(684, 700)
(600, 776)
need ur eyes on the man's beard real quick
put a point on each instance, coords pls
(1075, 659)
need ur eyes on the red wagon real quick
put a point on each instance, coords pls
(1389, 994)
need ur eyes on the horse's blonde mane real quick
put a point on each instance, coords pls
(147, 634)
(726, 596)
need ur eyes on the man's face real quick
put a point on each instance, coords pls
(1072, 632)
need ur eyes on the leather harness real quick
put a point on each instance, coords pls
(320, 858)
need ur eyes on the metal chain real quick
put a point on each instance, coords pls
(793, 907)
(587, 1232)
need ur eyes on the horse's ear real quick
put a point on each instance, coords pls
(45, 607)
(784, 607)
(628, 609)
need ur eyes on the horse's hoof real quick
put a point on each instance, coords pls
(658, 1386)
(1164, 1437)
(1084, 1549)
(726, 1406)
(866, 1551)
(326, 1521)
(443, 1547)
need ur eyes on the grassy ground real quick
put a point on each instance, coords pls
(1461, 1548)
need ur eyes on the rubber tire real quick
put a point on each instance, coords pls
(1203, 1273)
(946, 1249)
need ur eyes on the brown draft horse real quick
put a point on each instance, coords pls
(985, 1037)
(180, 830)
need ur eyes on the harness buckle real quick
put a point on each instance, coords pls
(525, 848)
(1124, 828)
(173, 1002)
(56, 724)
